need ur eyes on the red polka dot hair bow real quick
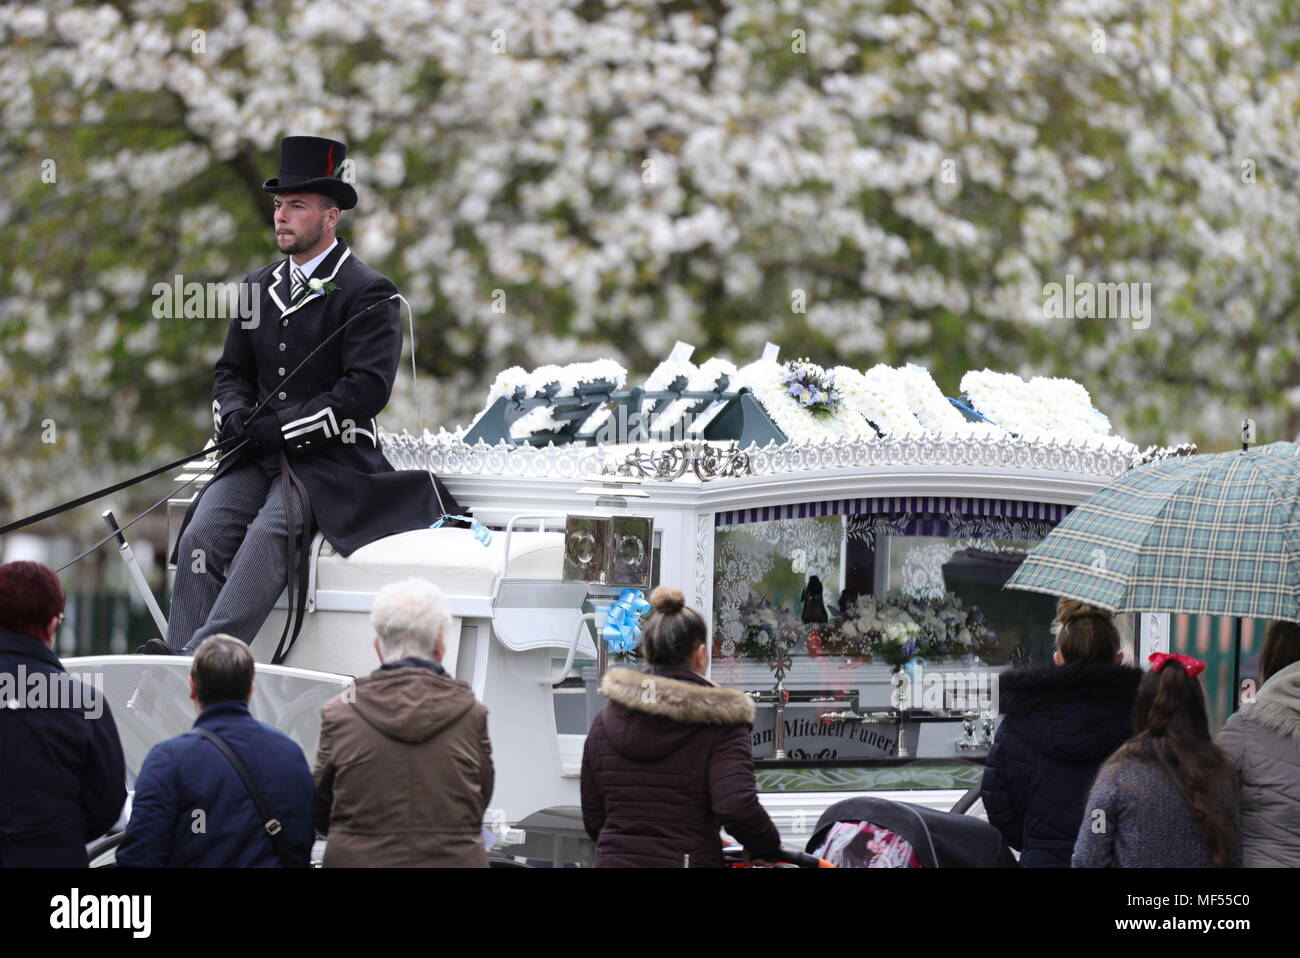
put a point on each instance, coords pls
(1193, 666)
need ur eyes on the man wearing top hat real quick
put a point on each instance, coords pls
(312, 459)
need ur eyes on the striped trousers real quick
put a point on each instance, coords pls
(230, 562)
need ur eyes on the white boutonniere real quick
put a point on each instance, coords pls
(314, 286)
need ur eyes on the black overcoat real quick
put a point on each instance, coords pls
(62, 774)
(327, 410)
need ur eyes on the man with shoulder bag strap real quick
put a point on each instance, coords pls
(233, 792)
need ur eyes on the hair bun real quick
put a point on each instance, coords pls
(1069, 609)
(667, 600)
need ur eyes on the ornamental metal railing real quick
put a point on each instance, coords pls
(450, 454)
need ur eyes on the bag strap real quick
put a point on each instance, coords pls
(270, 825)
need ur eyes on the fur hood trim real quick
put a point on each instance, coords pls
(1277, 706)
(694, 704)
(1023, 690)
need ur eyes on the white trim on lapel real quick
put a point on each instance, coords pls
(275, 275)
(347, 251)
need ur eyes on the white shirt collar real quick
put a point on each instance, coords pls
(311, 264)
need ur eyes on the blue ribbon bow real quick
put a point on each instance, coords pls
(911, 665)
(481, 532)
(622, 631)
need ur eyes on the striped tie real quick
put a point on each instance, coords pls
(299, 281)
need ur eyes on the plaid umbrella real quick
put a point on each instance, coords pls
(1214, 535)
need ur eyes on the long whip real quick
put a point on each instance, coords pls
(109, 490)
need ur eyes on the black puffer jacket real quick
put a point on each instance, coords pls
(1061, 724)
(667, 762)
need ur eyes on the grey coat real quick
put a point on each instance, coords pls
(1137, 817)
(1263, 742)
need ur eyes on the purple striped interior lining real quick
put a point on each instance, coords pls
(917, 505)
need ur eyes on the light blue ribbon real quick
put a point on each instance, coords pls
(622, 623)
(911, 665)
(481, 532)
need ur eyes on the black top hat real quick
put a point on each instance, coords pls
(310, 164)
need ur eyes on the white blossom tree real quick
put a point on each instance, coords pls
(554, 180)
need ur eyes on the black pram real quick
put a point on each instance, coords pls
(878, 833)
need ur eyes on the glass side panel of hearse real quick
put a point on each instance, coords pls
(871, 640)
(576, 697)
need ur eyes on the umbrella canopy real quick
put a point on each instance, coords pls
(1213, 534)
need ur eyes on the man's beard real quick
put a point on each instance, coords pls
(303, 243)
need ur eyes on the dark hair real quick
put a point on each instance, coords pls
(1171, 730)
(671, 632)
(1281, 648)
(30, 595)
(1087, 634)
(222, 670)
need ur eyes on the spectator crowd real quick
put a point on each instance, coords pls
(235, 792)
(1096, 763)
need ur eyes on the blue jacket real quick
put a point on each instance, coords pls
(192, 810)
(1061, 724)
(62, 776)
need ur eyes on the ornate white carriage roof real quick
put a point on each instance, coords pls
(448, 454)
(689, 423)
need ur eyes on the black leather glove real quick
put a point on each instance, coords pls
(233, 425)
(265, 433)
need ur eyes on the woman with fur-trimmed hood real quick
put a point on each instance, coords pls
(1263, 742)
(1062, 722)
(668, 761)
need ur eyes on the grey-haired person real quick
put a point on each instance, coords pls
(412, 723)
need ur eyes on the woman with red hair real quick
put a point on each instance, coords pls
(64, 779)
(31, 599)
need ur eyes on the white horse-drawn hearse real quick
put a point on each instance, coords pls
(847, 534)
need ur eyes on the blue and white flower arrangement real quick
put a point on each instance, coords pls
(812, 387)
(803, 400)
